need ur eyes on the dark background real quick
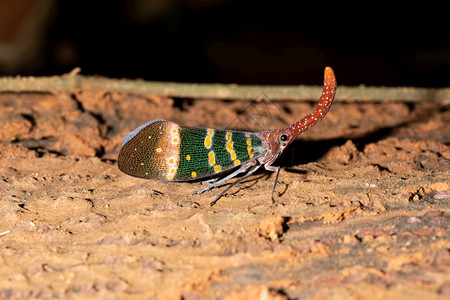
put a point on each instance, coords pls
(245, 42)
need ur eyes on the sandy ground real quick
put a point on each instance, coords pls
(361, 209)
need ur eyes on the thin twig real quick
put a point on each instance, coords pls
(74, 81)
(5, 232)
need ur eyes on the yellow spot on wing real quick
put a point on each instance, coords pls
(194, 174)
(217, 168)
(208, 141)
(210, 132)
(237, 162)
(188, 157)
(233, 155)
(249, 150)
(228, 136)
(211, 158)
(229, 146)
(249, 141)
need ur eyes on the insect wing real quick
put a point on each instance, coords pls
(164, 150)
(206, 152)
(151, 151)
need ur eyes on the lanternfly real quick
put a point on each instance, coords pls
(164, 150)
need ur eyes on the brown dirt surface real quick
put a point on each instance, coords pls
(361, 209)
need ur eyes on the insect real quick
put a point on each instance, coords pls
(164, 150)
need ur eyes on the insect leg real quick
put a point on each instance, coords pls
(242, 169)
(275, 183)
(223, 192)
(256, 167)
(212, 180)
(273, 169)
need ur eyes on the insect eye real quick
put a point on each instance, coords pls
(283, 138)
